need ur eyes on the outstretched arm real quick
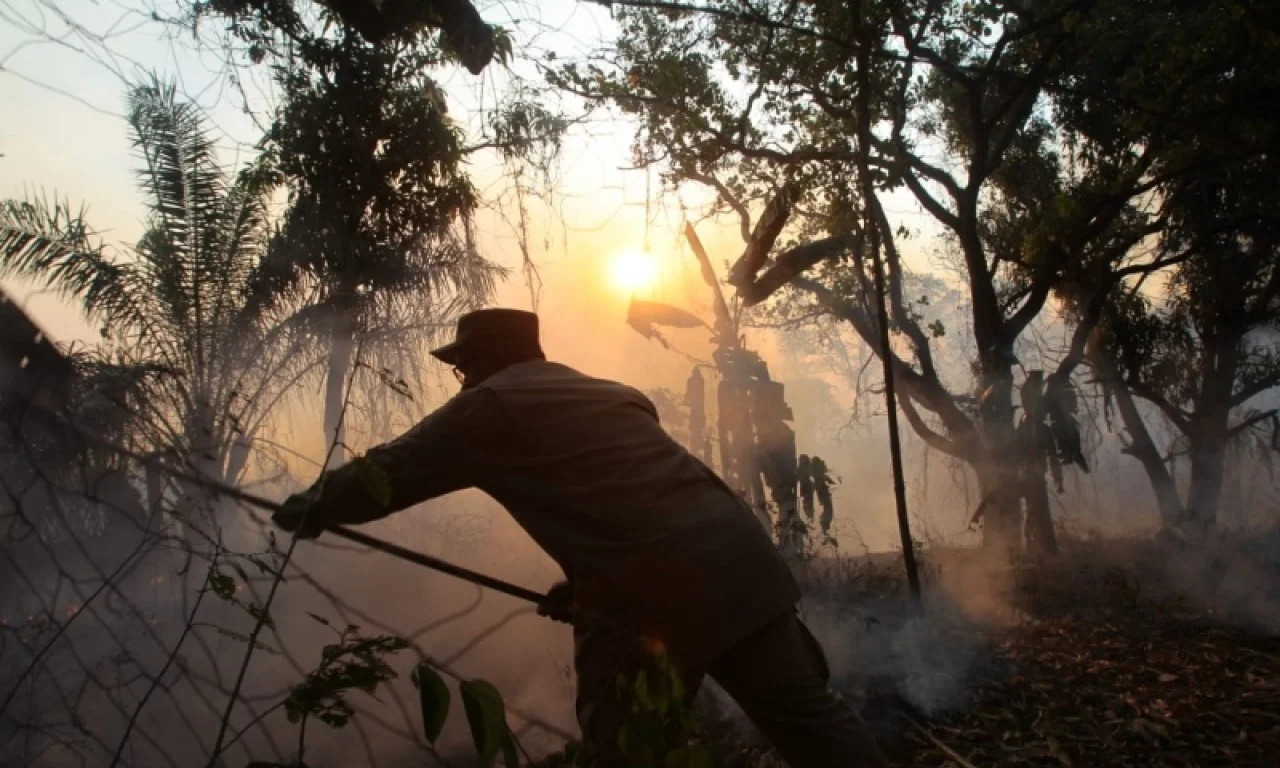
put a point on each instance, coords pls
(437, 456)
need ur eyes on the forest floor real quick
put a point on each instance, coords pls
(1120, 653)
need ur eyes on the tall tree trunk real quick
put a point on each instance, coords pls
(724, 431)
(777, 459)
(1210, 428)
(155, 484)
(1141, 446)
(1208, 460)
(1041, 536)
(1002, 513)
(998, 466)
(755, 488)
(1035, 446)
(341, 351)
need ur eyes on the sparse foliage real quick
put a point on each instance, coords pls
(1200, 347)
(811, 114)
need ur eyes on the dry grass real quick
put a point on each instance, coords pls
(1114, 653)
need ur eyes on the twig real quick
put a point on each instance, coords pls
(259, 717)
(372, 542)
(948, 751)
(137, 711)
(62, 628)
(271, 594)
(302, 737)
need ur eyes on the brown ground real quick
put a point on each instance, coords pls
(1098, 660)
(1117, 692)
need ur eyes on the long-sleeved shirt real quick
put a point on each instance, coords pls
(648, 535)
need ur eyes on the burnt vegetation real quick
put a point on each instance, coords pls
(1087, 276)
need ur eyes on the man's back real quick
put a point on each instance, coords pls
(650, 538)
(647, 533)
(594, 451)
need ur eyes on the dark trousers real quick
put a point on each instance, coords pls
(778, 676)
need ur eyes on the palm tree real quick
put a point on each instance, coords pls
(197, 300)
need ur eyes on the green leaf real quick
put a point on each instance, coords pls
(485, 716)
(374, 478)
(502, 44)
(676, 682)
(660, 698)
(434, 695)
(690, 756)
(222, 585)
(334, 718)
(642, 692)
(510, 754)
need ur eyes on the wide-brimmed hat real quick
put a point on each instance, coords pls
(513, 330)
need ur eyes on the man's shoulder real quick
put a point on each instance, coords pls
(467, 403)
(532, 372)
(539, 377)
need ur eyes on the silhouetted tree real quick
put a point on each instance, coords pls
(809, 113)
(378, 225)
(1201, 346)
(1207, 348)
(379, 205)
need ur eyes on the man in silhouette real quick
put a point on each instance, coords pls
(658, 552)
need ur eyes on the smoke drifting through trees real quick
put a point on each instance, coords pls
(108, 645)
(1041, 189)
(1104, 206)
(211, 324)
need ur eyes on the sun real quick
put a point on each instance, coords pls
(633, 270)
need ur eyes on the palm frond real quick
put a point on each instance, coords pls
(185, 187)
(53, 244)
(108, 391)
(246, 222)
(263, 279)
(180, 171)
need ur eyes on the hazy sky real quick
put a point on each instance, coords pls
(65, 134)
(70, 139)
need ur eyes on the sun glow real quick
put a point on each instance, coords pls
(633, 270)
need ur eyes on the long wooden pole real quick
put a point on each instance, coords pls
(386, 547)
(871, 224)
(395, 550)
